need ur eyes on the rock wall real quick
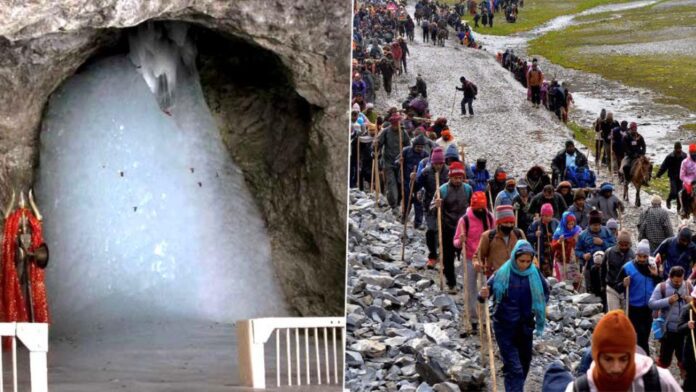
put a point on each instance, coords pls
(302, 190)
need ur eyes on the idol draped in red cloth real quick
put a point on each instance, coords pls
(12, 302)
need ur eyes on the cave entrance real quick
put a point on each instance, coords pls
(157, 242)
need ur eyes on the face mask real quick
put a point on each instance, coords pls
(506, 229)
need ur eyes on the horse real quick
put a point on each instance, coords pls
(641, 173)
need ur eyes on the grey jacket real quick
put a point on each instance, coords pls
(669, 312)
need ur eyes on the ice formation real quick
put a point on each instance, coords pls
(146, 215)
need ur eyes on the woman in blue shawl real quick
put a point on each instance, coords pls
(563, 247)
(520, 294)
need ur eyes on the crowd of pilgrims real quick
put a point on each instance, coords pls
(519, 231)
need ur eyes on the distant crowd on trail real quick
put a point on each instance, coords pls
(552, 95)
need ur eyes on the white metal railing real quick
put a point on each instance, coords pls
(34, 336)
(255, 333)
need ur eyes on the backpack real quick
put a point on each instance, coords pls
(489, 218)
(472, 87)
(651, 381)
(518, 233)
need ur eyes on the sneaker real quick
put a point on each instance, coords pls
(451, 290)
(431, 264)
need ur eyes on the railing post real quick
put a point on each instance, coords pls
(34, 336)
(251, 359)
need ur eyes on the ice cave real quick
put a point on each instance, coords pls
(169, 169)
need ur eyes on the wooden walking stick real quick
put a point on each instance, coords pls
(691, 318)
(565, 270)
(490, 196)
(465, 276)
(491, 357)
(372, 176)
(357, 164)
(439, 232)
(628, 297)
(401, 174)
(408, 209)
(454, 100)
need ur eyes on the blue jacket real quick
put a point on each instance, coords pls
(516, 308)
(642, 283)
(479, 179)
(585, 242)
(545, 253)
(671, 255)
(411, 160)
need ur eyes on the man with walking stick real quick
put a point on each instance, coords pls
(470, 91)
(412, 156)
(427, 180)
(638, 279)
(453, 201)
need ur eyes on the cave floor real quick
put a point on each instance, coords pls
(191, 356)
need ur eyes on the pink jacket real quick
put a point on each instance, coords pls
(687, 173)
(475, 230)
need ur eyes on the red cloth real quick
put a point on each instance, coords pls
(12, 300)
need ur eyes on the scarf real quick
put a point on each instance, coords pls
(562, 229)
(501, 283)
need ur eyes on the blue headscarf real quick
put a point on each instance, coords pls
(562, 229)
(501, 282)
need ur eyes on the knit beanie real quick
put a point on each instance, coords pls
(456, 169)
(511, 181)
(446, 135)
(452, 152)
(547, 209)
(624, 236)
(643, 248)
(685, 233)
(612, 224)
(420, 140)
(437, 156)
(595, 217)
(478, 200)
(504, 214)
(579, 195)
(614, 334)
(692, 148)
(606, 187)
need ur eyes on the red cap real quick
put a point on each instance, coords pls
(456, 169)
(478, 200)
(692, 148)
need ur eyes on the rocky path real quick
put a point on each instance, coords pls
(403, 333)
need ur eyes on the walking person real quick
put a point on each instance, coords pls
(616, 364)
(426, 180)
(564, 239)
(654, 224)
(677, 251)
(520, 294)
(412, 156)
(671, 165)
(497, 243)
(390, 150)
(470, 91)
(540, 235)
(614, 260)
(454, 201)
(641, 278)
(535, 78)
(607, 203)
(670, 298)
(470, 228)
